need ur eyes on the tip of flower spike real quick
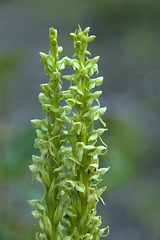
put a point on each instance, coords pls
(91, 38)
(52, 32)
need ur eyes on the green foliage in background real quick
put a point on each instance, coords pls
(8, 62)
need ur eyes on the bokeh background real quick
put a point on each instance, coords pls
(128, 41)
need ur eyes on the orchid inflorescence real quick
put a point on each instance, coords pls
(68, 164)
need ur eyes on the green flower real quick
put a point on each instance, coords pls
(68, 164)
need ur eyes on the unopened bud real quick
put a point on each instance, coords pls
(78, 45)
(84, 39)
(54, 42)
(60, 49)
(52, 33)
(86, 30)
(42, 98)
(73, 35)
(91, 38)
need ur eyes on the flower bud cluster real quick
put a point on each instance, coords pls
(68, 164)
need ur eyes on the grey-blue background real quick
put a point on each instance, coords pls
(128, 41)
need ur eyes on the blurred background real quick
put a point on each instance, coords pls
(128, 41)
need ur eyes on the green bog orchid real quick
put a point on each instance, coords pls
(68, 164)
